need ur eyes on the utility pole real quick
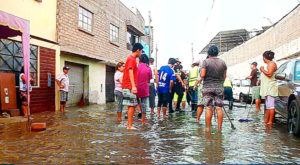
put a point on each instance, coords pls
(149, 35)
(192, 53)
(156, 50)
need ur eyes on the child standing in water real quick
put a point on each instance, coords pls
(144, 76)
(118, 88)
(130, 81)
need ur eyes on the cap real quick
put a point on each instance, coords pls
(177, 60)
(66, 68)
(254, 63)
(213, 50)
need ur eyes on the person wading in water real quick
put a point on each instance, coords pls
(213, 73)
(269, 89)
(254, 83)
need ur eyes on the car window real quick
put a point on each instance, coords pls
(297, 71)
(245, 83)
(282, 67)
(235, 82)
(288, 69)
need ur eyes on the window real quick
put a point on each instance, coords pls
(85, 19)
(131, 40)
(11, 59)
(245, 83)
(236, 82)
(297, 71)
(114, 34)
(282, 67)
(288, 69)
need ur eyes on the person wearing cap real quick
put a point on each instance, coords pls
(63, 81)
(213, 73)
(165, 86)
(255, 86)
(179, 89)
(178, 86)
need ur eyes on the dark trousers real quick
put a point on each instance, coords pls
(151, 95)
(228, 94)
(179, 90)
(188, 96)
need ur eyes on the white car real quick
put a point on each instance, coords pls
(241, 90)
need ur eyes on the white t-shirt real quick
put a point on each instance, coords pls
(153, 74)
(64, 80)
(118, 85)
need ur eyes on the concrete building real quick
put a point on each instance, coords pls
(283, 38)
(44, 50)
(94, 35)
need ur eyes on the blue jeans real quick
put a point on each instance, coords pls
(194, 95)
(119, 98)
(143, 103)
(228, 93)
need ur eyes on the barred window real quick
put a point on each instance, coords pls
(11, 59)
(114, 33)
(85, 19)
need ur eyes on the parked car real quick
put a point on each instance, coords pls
(241, 90)
(288, 103)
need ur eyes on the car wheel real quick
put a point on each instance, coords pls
(241, 98)
(294, 118)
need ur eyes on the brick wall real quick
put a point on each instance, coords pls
(43, 98)
(95, 44)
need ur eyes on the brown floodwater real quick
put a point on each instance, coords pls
(91, 135)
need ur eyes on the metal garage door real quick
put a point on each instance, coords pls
(110, 84)
(76, 83)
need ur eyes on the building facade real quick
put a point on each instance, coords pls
(44, 50)
(94, 35)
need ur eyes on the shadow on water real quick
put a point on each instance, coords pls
(92, 135)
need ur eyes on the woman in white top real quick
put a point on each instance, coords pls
(118, 88)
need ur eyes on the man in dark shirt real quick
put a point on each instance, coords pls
(175, 89)
(213, 74)
(254, 83)
(178, 87)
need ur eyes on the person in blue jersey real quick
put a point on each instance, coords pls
(165, 84)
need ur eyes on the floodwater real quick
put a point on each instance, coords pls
(91, 135)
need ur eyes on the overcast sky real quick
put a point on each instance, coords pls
(178, 23)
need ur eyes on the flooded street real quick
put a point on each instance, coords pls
(92, 135)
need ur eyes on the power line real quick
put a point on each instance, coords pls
(207, 18)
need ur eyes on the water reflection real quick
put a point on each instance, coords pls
(92, 135)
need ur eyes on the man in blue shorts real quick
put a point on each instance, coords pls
(165, 83)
